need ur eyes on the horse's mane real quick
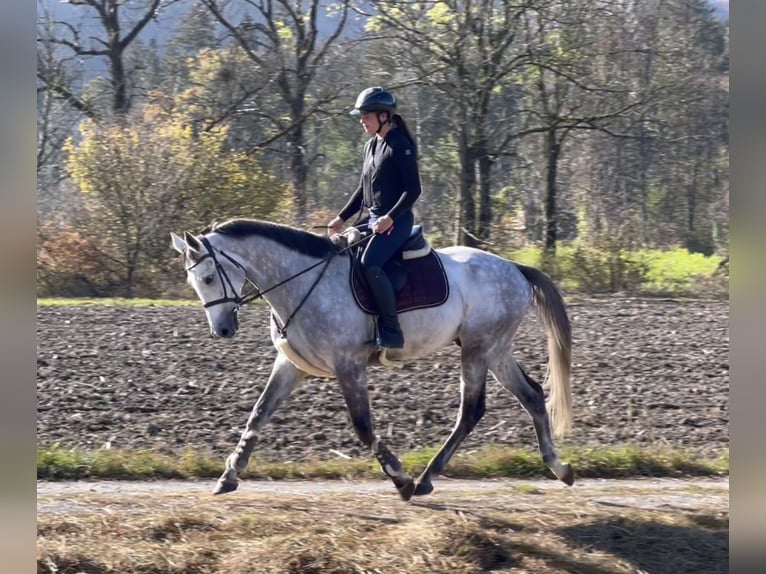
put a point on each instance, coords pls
(301, 241)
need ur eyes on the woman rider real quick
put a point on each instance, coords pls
(388, 187)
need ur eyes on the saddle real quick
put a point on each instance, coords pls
(416, 273)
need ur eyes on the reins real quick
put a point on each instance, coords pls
(255, 292)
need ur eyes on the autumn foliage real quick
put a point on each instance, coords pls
(69, 264)
(141, 178)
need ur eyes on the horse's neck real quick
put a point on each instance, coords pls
(269, 263)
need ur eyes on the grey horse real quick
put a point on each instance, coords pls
(319, 330)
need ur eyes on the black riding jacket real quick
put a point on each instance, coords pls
(390, 181)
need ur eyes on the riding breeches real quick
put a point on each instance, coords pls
(383, 246)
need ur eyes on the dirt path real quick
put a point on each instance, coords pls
(650, 493)
(465, 527)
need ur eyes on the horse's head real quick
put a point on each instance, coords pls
(218, 280)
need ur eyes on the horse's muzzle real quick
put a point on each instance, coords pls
(228, 330)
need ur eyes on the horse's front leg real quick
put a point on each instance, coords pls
(353, 385)
(284, 376)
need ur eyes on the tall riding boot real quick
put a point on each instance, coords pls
(389, 332)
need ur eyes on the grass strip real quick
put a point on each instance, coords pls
(55, 462)
(113, 302)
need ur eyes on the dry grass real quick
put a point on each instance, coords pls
(544, 531)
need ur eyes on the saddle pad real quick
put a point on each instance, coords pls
(426, 286)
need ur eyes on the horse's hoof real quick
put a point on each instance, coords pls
(566, 474)
(225, 486)
(423, 488)
(407, 489)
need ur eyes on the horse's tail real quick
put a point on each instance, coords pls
(552, 311)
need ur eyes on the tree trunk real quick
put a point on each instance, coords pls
(552, 149)
(298, 172)
(643, 179)
(466, 225)
(120, 101)
(485, 198)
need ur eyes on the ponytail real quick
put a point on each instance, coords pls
(402, 125)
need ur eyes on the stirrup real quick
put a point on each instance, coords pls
(376, 342)
(386, 362)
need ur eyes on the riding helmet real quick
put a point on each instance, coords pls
(375, 99)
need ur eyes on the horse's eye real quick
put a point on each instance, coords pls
(208, 279)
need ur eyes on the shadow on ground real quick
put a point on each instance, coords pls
(647, 546)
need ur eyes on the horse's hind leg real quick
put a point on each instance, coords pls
(282, 381)
(353, 385)
(530, 394)
(473, 382)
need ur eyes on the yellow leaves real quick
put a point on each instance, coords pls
(557, 42)
(74, 166)
(441, 14)
(283, 30)
(162, 161)
(212, 74)
(205, 65)
(89, 145)
(553, 37)
(154, 112)
(374, 24)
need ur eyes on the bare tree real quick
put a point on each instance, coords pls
(55, 122)
(665, 175)
(566, 93)
(283, 40)
(119, 24)
(465, 51)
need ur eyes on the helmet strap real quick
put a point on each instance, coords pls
(381, 124)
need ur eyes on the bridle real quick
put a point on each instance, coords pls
(254, 291)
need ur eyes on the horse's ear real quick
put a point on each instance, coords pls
(192, 244)
(178, 243)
